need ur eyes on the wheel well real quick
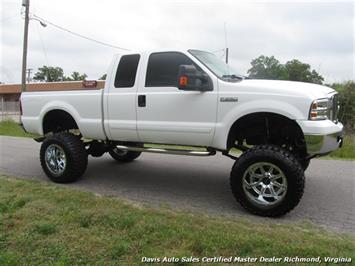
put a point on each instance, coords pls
(58, 120)
(266, 128)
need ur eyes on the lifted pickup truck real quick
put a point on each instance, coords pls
(191, 98)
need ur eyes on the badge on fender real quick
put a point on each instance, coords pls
(228, 99)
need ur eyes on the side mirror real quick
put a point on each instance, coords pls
(191, 79)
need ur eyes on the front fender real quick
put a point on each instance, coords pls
(227, 118)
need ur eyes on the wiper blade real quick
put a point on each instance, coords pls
(233, 76)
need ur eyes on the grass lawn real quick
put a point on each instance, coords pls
(47, 224)
(10, 128)
(347, 151)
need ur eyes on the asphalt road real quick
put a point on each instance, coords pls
(194, 183)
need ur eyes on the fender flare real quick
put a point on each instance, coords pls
(60, 106)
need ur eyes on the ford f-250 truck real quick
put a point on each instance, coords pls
(191, 98)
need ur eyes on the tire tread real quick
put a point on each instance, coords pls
(296, 172)
(75, 151)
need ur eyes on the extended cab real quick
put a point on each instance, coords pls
(191, 98)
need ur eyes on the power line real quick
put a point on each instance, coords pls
(78, 34)
(42, 44)
(44, 50)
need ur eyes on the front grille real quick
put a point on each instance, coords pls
(333, 108)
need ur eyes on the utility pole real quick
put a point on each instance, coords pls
(26, 4)
(29, 70)
(227, 51)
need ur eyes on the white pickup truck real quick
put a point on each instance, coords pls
(193, 99)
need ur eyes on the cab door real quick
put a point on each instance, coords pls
(168, 115)
(121, 99)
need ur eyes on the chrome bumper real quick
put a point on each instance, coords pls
(323, 144)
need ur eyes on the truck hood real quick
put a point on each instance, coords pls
(291, 88)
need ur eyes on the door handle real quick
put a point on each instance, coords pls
(141, 100)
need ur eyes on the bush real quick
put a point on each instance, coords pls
(347, 104)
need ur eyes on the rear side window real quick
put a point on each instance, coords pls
(163, 69)
(126, 71)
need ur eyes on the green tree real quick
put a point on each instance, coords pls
(75, 76)
(298, 71)
(103, 77)
(265, 67)
(49, 74)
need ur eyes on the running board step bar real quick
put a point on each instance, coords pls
(167, 151)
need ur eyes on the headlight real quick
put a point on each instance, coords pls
(320, 109)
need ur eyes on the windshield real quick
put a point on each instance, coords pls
(216, 65)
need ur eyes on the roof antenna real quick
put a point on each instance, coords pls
(225, 42)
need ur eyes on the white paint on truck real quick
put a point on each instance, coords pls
(174, 116)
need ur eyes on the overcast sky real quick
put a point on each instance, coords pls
(320, 33)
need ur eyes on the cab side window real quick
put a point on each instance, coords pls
(126, 71)
(163, 68)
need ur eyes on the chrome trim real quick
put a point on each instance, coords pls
(331, 111)
(334, 108)
(264, 184)
(56, 159)
(167, 151)
(323, 144)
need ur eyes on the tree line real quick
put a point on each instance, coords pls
(54, 74)
(265, 67)
(346, 114)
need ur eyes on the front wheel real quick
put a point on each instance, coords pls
(304, 163)
(267, 180)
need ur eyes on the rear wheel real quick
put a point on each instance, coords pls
(125, 156)
(63, 157)
(267, 180)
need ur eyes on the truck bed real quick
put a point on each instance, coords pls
(84, 105)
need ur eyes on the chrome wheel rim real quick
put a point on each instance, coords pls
(119, 152)
(264, 184)
(55, 159)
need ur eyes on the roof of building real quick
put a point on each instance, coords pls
(53, 86)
